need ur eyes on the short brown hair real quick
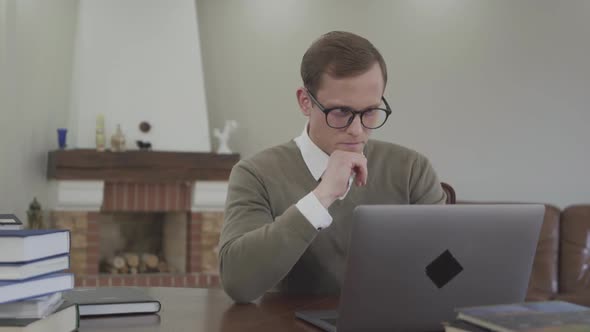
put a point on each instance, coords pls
(339, 54)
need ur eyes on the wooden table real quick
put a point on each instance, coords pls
(194, 309)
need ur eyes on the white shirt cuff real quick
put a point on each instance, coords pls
(314, 211)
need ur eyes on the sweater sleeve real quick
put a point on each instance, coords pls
(425, 187)
(256, 250)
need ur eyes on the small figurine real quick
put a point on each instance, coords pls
(144, 146)
(35, 215)
(223, 136)
(118, 141)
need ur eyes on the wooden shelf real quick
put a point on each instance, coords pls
(139, 166)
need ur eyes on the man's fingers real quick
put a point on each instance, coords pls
(363, 174)
(360, 167)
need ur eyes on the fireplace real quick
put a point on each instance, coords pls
(161, 218)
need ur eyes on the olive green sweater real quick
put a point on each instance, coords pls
(267, 243)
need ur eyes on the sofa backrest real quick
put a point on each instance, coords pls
(575, 250)
(544, 280)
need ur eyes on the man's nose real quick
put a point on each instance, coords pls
(356, 127)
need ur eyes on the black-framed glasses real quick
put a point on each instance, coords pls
(341, 117)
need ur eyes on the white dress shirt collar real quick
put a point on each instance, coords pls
(315, 159)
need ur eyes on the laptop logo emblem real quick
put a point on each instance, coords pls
(443, 269)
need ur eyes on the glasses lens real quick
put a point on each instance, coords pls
(374, 118)
(338, 117)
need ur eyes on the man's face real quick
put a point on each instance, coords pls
(359, 93)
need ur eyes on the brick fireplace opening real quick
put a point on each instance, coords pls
(166, 232)
(139, 242)
(146, 220)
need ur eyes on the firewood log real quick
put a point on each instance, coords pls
(151, 261)
(117, 262)
(132, 259)
(124, 269)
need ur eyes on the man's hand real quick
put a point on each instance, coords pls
(341, 166)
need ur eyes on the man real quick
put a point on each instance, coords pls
(289, 208)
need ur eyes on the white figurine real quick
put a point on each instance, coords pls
(223, 136)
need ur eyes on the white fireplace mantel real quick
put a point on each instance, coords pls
(76, 195)
(209, 196)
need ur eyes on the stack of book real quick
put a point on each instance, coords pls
(522, 317)
(32, 281)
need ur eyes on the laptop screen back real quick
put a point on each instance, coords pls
(409, 267)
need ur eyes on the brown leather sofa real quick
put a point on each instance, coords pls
(561, 269)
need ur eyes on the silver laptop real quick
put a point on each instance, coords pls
(410, 266)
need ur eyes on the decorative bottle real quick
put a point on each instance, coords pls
(100, 135)
(118, 140)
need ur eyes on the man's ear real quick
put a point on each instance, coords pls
(304, 102)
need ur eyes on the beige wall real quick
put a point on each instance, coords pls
(494, 92)
(36, 40)
(139, 60)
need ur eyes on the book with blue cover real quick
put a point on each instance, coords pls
(10, 222)
(35, 287)
(105, 301)
(39, 267)
(22, 246)
(462, 326)
(34, 308)
(116, 322)
(544, 316)
(65, 318)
